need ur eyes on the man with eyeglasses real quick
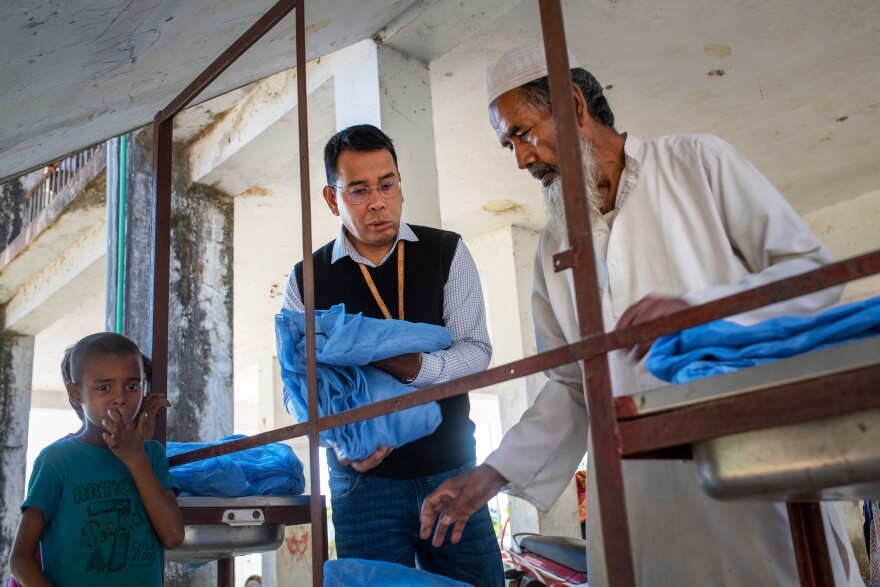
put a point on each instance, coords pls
(382, 267)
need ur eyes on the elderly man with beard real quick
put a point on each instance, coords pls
(676, 221)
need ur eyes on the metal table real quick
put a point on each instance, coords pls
(219, 528)
(832, 458)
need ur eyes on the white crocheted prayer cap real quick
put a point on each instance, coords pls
(519, 66)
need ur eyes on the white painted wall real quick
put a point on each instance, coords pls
(851, 228)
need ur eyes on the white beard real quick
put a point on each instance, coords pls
(554, 204)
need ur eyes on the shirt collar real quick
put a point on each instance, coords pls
(632, 151)
(342, 247)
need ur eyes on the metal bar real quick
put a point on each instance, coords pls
(226, 572)
(236, 50)
(604, 455)
(832, 395)
(777, 291)
(316, 506)
(675, 453)
(161, 229)
(516, 369)
(589, 346)
(810, 547)
(277, 435)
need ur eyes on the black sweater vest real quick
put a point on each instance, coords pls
(426, 269)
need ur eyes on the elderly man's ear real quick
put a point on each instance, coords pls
(330, 198)
(582, 113)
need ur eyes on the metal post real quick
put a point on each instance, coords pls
(316, 507)
(810, 547)
(162, 153)
(605, 453)
(226, 572)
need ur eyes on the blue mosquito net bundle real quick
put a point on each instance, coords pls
(724, 346)
(346, 572)
(271, 469)
(345, 345)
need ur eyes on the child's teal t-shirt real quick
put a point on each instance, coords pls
(97, 530)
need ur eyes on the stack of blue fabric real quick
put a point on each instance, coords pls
(345, 345)
(271, 469)
(346, 572)
(724, 346)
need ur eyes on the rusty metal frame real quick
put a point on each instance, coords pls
(589, 346)
(161, 231)
(853, 391)
(290, 515)
(273, 514)
(808, 534)
(616, 431)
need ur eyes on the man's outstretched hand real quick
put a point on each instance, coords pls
(456, 500)
(648, 308)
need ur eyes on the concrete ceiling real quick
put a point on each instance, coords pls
(76, 72)
(797, 91)
(795, 87)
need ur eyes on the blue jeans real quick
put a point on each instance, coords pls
(376, 518)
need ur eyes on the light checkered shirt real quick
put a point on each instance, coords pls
(464, 313)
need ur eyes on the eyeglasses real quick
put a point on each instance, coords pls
(360, 194)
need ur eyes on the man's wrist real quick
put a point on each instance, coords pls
(406, 380)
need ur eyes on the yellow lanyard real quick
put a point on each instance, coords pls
(375, 291)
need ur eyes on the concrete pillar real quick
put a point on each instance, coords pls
(378, 85)
(200, 323)
(505, 259)
(200, 372)
(16, 364)
(137, 321)
(13, 211)
(851, 228)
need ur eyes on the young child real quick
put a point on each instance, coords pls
(151, 405)
(102, 504)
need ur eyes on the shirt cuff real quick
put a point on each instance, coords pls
(430, 371)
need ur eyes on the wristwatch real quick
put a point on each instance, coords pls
(407, 380)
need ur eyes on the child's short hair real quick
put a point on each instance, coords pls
(65, 376)
(65, 366)
(100, 343)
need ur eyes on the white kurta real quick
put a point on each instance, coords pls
(694, 219)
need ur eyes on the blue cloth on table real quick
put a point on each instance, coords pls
(723, 346)
(345, 345)
(347, 572)
(271, 469)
